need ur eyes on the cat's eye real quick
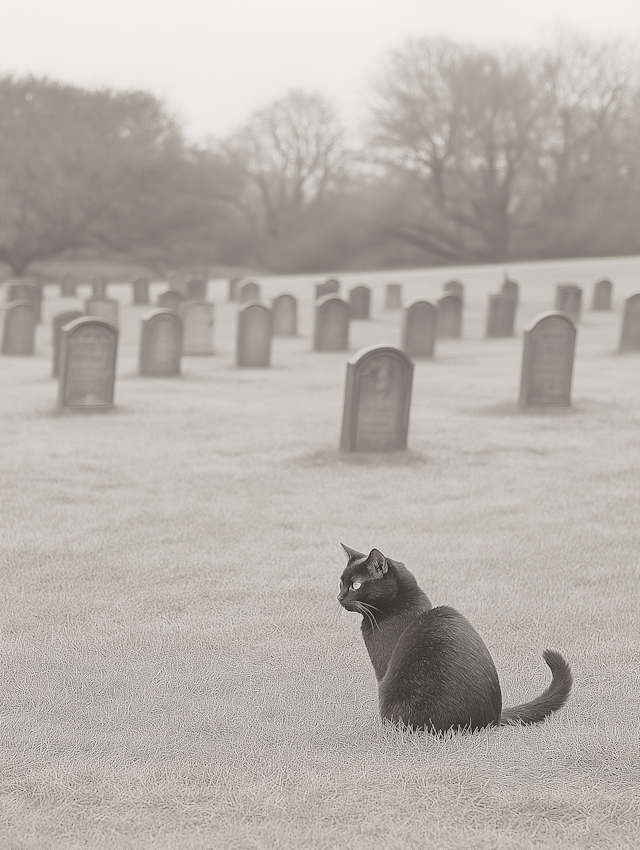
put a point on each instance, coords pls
(356, 585)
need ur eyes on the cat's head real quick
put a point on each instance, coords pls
(369, 579)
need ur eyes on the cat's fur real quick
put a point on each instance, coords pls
(433, 669)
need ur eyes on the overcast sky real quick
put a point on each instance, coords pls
(214, 62)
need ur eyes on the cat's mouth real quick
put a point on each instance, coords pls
(350, 606)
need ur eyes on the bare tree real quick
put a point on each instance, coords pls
(456, 122)
(496, 151)
(293, 153)
(589, 152)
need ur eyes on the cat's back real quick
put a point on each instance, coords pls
(441, 675)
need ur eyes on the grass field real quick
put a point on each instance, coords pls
(177, 673)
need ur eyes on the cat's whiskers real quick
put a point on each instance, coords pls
(365, 609)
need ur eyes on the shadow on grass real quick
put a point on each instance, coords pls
(60, 412)
(336, 457)
(511, 408)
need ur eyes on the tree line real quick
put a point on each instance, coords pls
(465, 155)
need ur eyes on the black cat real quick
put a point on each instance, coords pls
(434, 671)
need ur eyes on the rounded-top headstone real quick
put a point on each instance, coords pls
(285, 315)
(249, 291)
(253, 340)
(454, 287)
(89, 349)
(419, 329)
(161, 343)
(19, 334)
(360, 302)
(331, 324)
(449, 316)
(171, 299)
(602, 295)
(195, 289)
(377, 400)
(329, 287)
(547, 360)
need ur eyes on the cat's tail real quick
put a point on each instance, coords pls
(550, 700)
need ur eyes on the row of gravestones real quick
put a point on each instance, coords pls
(500, 317)
(422, 322)
(193, 289)
(85, 358)
(190, 335)
(378, 385)
(359, 296)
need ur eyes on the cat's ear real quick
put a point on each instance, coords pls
(377, 564)
(352, 555)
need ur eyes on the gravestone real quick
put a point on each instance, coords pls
(360, 302)
(454, 287)
(234, 283)
(501, 315)
(19, 328)
(249, 291)
(329, 287)
(68, 285)
(195, 289)
(99, 287)
(602, 295)
(377, 400)
(140, 290)
(25, 289)
(161, 343)
(569, 300)
(105, 308)
(198, 321)
(449, 317)
(510, 289)
(174, 281)
(393, 296)
(285, 315)
(171, 299)
(630, 328)
(57, 323)
(331, 327)
(88, 352)
(253, 340)
(547, 361)
(419, 329)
